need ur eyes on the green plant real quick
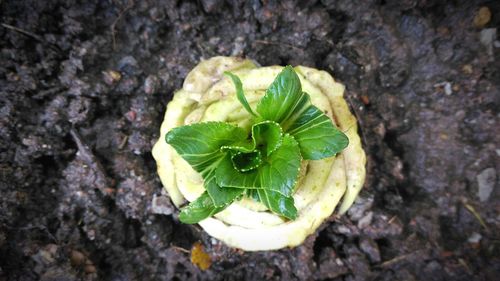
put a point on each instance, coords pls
(263, 163)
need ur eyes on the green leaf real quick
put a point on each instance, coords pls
(200, 209)
(241, 146)
(199, 144)
(278, 203)
(285, 103)
(282, 97)
(318, 138)
(252, 193)
(246, 161)
(221, 196)
(278, 172)
(239, 92)
(267, 136)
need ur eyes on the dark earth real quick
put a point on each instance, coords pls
(83, 89)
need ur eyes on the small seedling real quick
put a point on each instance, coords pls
(263, 163)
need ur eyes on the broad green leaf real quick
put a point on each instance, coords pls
(267, 136)
(239, 92)
(252, 193)
(318, 138)
(200, 209)
(278, 203)
(199, 144)
(282, 97)
(246, 161)
(221, 196)
(285, 103)
(278, 172)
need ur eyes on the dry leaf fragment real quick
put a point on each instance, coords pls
(199, 257)
(483, 17)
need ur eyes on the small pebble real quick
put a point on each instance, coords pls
(365, 100)
(360, 206)
(483, 17)
(161, 205)
(342, 229)
(447, 88)
(487, 37)
(110, 77)
(151, 84)
(475, 238)
(467, 69)
(77, 258)
(127, 61)
(366, 220)
(486, 182)
(131, 115)
(91, 234)
(238, 46)
(90, 269)
(370, 248)
(211, 5)
(380, 129)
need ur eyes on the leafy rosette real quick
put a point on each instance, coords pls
(262, 154)
(264, 163)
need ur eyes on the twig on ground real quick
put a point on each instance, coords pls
(48, 92)
(180, 249)
(392, 219)
(102, 181)
(463, 263)
(359, 120)
(30, 229)
(123, 143)
(476, 214)
(130, 4)
(32, 35)
(22, 31)
(265, 42)
(395, 260)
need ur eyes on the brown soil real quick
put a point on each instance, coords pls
(83, 89)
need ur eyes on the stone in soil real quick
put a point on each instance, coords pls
(486, 181)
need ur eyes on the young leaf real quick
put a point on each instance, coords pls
(282, 97)
(199, 144)
(239, 92)
(278, 203)
(278, 172)
(267, 136)
(241, 146)
(199, 209)
(246, 161)
(318, 138)
(284, 102)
